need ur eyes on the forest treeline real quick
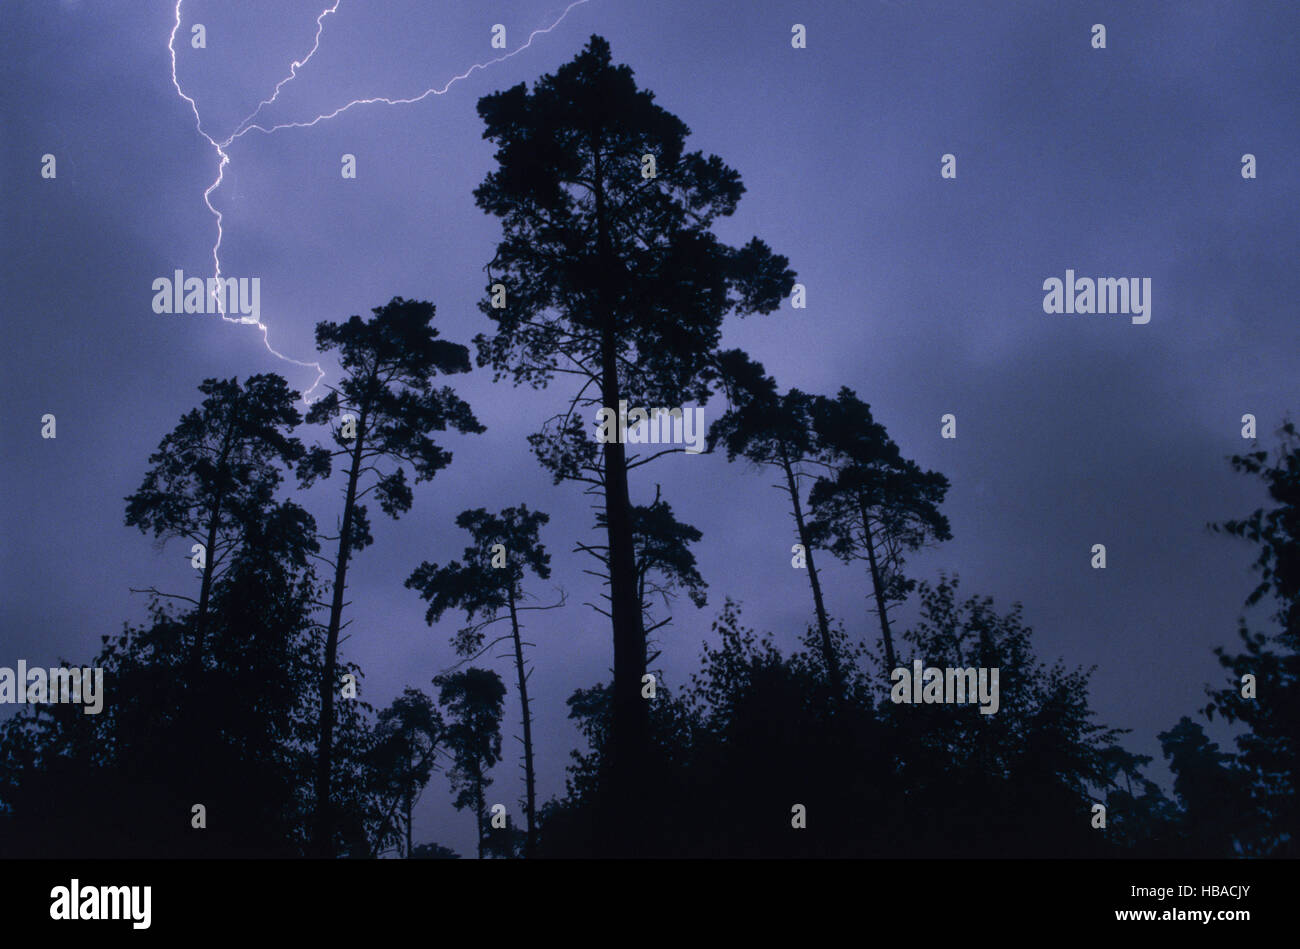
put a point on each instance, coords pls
(609, 280)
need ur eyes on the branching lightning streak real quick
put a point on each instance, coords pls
(433, 91)
(247, 125)
(293, 69)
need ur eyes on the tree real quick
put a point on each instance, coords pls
(433, 851)
(473, 698)
(616, 279)
(756, 708)
(1210, 791)
(1141, 823)
(406, 742)
(491, 580)
(877, 504)
(664, 562)
(213, 481)
(215, 474)
(236, 735)
(767, 428)
(391, 407)
(1270, 750)
(1025, 775)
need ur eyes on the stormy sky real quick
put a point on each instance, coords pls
(924, 295)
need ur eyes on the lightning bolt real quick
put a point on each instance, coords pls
(245, 128)
(249, 124)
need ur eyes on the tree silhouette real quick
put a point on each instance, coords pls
(876, 505)
(406, 742)
(756, 707)
(1213, 796)
(1270, 750)
(214, 475)
(389, 363)
(236, 723)
(617, 280)
(664, 562)
(767, 428)
(473, 699)
(747, 739)
(236, 735)
(1025, 775)
(491, 580)
(1141, 822)
(434, 852)
(575, 825)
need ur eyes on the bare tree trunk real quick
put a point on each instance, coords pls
(630, 731)
(480, 805)
(209, 561)
(823, 624)
(205, 589)
(529, 776)
(324, 834)
(409, 806)
(877, 583)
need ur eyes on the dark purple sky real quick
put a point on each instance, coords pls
(924, 296)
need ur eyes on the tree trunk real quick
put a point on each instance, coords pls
(529, 776)
(891, 662)
(409, 806)
(209, 563)
(205, 589)
(324, 836)
(480, 805)
(630, 731)
(823, 624)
